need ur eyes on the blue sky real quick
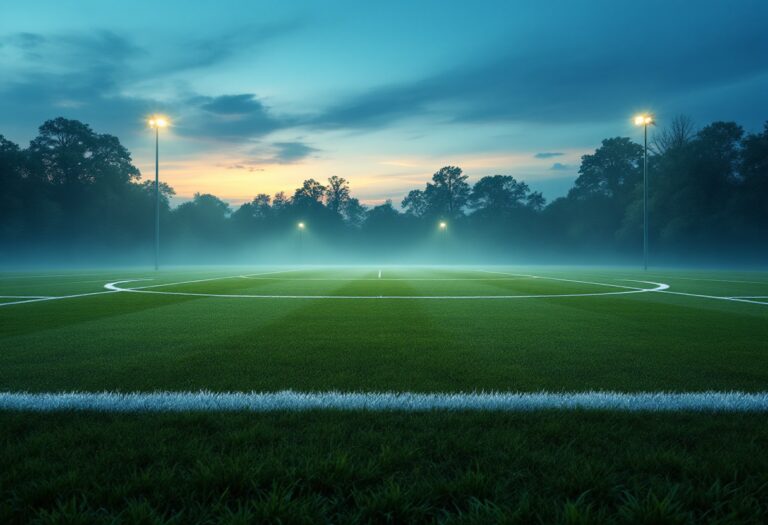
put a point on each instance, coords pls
(265, 94)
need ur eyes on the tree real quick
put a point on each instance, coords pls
(354, 212)
(754, 164)
(498, 193)
(280, 201)
(337, 194)
(752, 199)
(612, 171)
(203, 218)
(13, 194)
(415, 203)
(677, 134)
(310, 191)
(448, 193)
(69, 153)
(536, 201)
(248, 216)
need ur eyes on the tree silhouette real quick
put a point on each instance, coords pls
(499, 192)
(74, 191)
(337, 194)
(448, 193)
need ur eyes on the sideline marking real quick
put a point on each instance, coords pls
(288, 400)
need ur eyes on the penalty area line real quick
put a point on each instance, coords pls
(288, 400)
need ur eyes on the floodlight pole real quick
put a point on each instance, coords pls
(645, 196)
(157, 197)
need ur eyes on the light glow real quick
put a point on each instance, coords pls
(301, 225)
(644, 119)
(159, 121)
(443, 225)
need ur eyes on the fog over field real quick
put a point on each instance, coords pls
(75, 198)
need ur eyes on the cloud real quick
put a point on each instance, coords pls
(559, 166)
(290, 152)
(92, 76)
(75, 76)
(231, 118)
(234, 104)
(245, 167)
(548, 155)
(202, 52)
(569, 77)
(275, 153)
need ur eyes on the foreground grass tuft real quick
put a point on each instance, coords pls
(333, 467)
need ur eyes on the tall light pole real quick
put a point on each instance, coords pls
(156, 123)
(644, 120)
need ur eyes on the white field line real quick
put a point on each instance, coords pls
(288, 400)
(662, 286)
(665, 289)
(384, 279)
(45, 276)
(247, 276)
(56, 298)
(115, 290)
(716, 280)
(114, 287)
(717, 297)
(379, 274)
(25, 296)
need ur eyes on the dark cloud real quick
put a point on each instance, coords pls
(85, 76)
(80, 76)
(559, 166)
(290, 152)
(567, 75)
(238, 118)
(234, 105)
(548, 155)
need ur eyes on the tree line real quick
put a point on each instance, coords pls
(75, 193)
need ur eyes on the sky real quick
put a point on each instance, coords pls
(263, 95)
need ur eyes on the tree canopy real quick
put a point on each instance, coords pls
(73, 189)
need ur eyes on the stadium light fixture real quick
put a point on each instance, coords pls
(645, 119)
(301, 225)
(443, 225)
(156, 122)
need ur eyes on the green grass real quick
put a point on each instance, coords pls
(350, 467)
(326, 467)
(124, 341)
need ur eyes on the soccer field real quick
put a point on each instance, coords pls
(406, 331)
(396, 329)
